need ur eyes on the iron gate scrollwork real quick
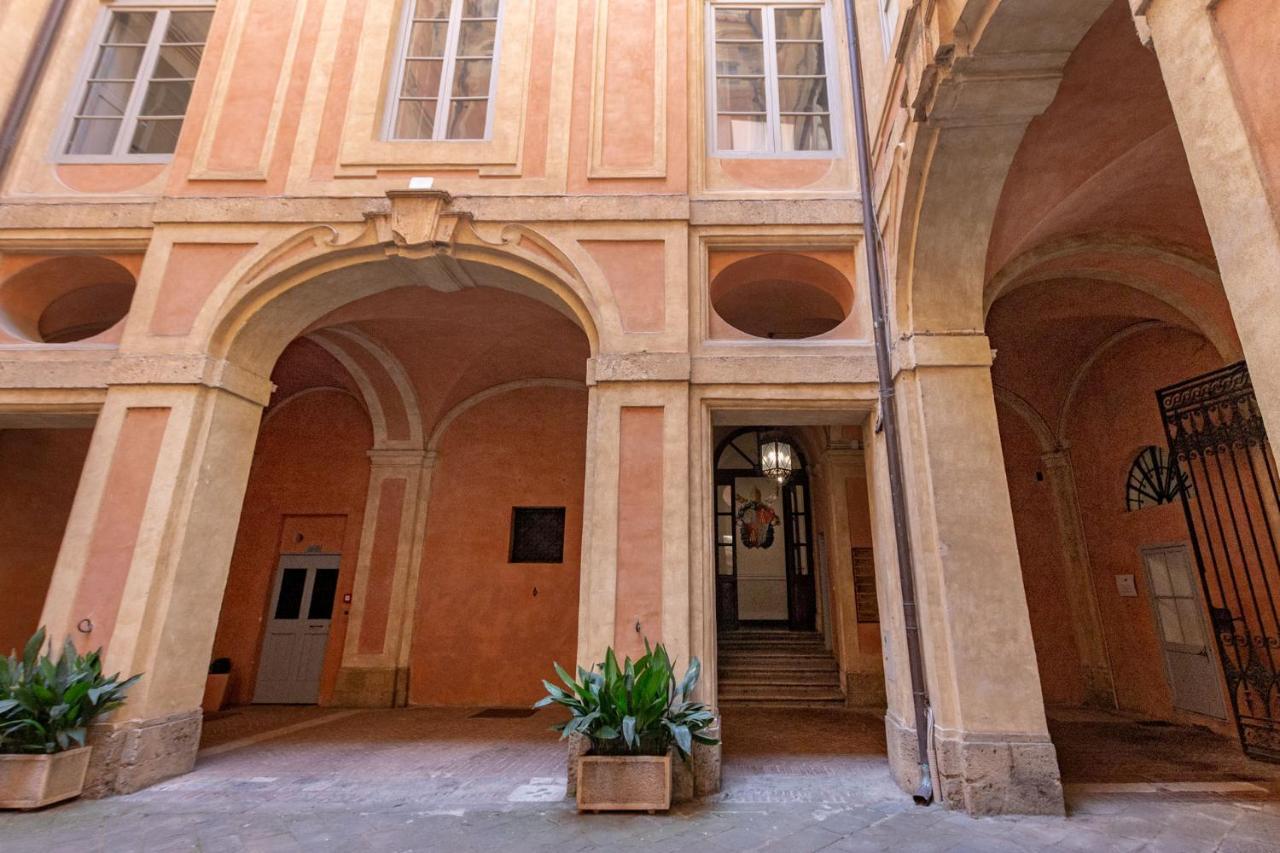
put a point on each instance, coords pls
(1217, 438)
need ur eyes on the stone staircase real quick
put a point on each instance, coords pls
(777, 668)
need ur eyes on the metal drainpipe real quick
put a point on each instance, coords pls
(16, 114)
(889, 416)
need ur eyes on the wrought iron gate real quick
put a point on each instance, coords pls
(1232, 503)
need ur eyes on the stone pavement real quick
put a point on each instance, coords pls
(437, 779)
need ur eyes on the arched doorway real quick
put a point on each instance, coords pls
(764, 538)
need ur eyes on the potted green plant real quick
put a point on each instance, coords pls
(46, 708)
(632, 716)
(215, 685)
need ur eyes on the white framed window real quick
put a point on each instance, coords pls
(445, 71)
(770, 84)
(133, 92)
(888, 23)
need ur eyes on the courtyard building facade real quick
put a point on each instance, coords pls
(393, 350)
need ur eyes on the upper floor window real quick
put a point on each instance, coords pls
(136, 88)
(888, 23)
(769, 92)
(443, 85)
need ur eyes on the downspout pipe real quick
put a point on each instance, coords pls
(16, 115)
(889, 415)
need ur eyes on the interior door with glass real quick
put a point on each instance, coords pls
(801, 597)
(726, 555)
(297, 634)
(1180, 619)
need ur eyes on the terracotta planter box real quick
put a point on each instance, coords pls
(32, 781)
(215, 692)
(618, 783)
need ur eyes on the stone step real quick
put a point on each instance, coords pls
(781, 703)
(770, 657)
(787, 691)
(780, 684)
(751, 670)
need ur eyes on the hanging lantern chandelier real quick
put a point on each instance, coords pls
(777, 458)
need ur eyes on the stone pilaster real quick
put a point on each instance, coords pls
(1082, 598)
(990, 741)
(375, 658)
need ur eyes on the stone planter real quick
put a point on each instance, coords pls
(609, 783)
(215, 692)
(32, 781)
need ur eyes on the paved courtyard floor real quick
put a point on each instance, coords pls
(307, 779)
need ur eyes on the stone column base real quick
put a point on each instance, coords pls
(131, 754)
(864, 690)
(370, 687)
(981, 773)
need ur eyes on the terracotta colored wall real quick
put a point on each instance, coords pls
(1115, 416)
(858, 503)
(1248, 31)
(482, 634)
(1043, 565)
(41, 470)
(310, 461)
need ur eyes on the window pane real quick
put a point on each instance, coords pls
(105, 99)
(422, 78)
(167, 98)
(740, 95)
(156, 136)
(1159, 576)
(188, 27)
(801, 59)
(798, 24)
(416, 119)
(806, 133)
(724, 560)
(1180, 575)
(737, 58)
(480, 8)
(323, 590)
(129, 27)
(742, 132)
(117, 63)
(467, 119)
(292, 583)
(739, 24)
(471, 78)
(724, 529)
(475, 38)
(1189, 619)
(802, 95)
(178, 62)
(93, 136)
(432, 9)
(1169, 620)
(428, 39)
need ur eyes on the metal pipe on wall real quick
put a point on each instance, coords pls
(889, 415)
(32, 70)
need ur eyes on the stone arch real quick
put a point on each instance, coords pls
(1048, 440)
(267, 307)
(383, 381)
(446, 421)
(996, 67)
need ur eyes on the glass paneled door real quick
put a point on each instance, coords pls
(297, 633)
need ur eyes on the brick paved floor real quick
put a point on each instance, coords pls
(419, 779)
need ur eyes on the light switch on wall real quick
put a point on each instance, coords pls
(1126, 586)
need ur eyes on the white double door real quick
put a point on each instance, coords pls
(293, 646)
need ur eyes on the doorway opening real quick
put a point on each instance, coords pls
(764, 537)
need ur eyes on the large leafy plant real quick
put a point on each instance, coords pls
(47, 705)
(638, 708)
